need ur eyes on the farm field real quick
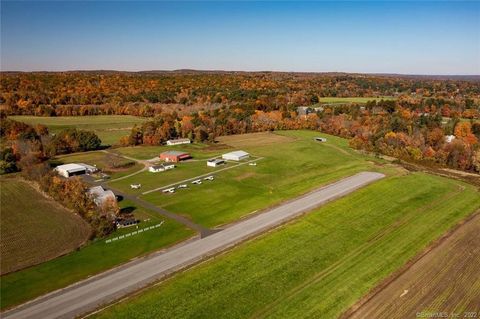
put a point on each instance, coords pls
(291, 164)
(301, 269)
(96, 257)
(110, 128)
(35, 229)
(446, 279)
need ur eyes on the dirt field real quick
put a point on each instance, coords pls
(33, 228)
(254, 139)
(446, 280)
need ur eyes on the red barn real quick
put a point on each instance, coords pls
(174, 156)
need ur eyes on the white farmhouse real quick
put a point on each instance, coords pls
(235, 156)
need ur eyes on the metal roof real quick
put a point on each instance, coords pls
(237, 153)
(70, 167)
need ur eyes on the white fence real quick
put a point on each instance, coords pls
(133, 233)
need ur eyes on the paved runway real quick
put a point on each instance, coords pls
(90, 294)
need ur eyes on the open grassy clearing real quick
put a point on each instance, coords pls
(33, 228)
(319, 265)
(149, 180)
(292, 165)
(197, 150)
(353, 99)
(92, 259)
(110, 128)
(101, 160)
(446, 279)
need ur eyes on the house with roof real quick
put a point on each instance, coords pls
(100, 195)
(174, 156)
(161, 168)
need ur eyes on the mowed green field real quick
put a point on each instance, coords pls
(196, 150)
(96, 257)
(110, 128)
(33, 228)
(291, 164)
(318, 265)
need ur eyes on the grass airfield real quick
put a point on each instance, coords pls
(336, 246)
(318, 265)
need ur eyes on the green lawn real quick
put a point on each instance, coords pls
(154, 180)
(288, 169)
(319, 265)
(96, 257)
(110, 128)
(196, 150)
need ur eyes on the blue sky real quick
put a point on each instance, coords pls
(384, 37)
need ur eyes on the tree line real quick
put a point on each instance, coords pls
(147, 94)
(26, 148)
(385, 127)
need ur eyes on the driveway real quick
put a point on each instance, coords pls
(92, 293)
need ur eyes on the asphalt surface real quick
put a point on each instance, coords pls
(105, 288)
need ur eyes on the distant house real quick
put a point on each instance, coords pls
(304, 110)
(174, 156)
(100, 195)
(215, 162)
(122, 223)
(179, 141)
(449, 138)
(161, 167)
(320, 139)
(72, 169)
(235, 156)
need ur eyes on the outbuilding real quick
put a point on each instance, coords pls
(214, 162)
(89, 168)
(161, 167)
(236, 156)
(72, 169)
(174, 156)
(449, 138)
(179, 141)
(100, 195)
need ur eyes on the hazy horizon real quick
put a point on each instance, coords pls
(405, 38)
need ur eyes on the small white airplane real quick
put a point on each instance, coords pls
(197, 181)
(182, 186)
(253, 164)
(209, 178)
(169, 190)
(135, 186)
